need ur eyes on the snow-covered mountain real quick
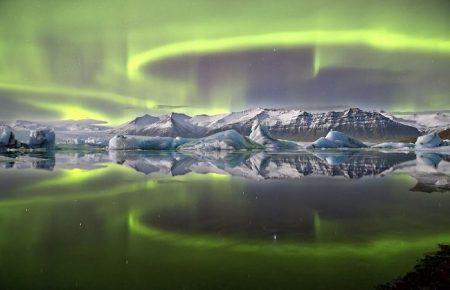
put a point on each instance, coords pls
(290, 124)
(172, 125)
(426, 122)
(87, 125)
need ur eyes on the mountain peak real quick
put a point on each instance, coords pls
(353, 111)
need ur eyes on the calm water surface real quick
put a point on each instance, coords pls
(129, 220)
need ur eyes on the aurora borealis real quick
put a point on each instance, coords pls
(114, 60)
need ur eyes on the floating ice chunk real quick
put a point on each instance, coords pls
(336, 139)
(323, 142)
(393, 145)
(7, 138)
(261, 135)
(121, 142)
(96, 141)
(42, 138)
(429, 141)
(226, 140)
(343, 140)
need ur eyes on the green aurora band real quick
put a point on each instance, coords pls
(96, 60)
(375, 39)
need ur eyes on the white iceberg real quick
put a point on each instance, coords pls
(7, 138)
(429, 141)
(336, 139)
(96, 141)
(323, 142)
(226, 140)
(261, 135)
(42, 138)
(121, 142)
(394, 145)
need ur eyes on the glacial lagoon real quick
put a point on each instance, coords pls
(323, 219)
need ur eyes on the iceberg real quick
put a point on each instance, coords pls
(7, 138)
(336, 139)
(122, 142)
(323, 142)
(42, 138)
(394, 145)
(225, 140)
(96, 141)
(429, 141)
(261, 135)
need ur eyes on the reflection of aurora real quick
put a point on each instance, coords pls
(100, 217)
(376, 248)
(78, 178)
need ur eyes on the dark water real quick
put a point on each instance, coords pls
(128, 220)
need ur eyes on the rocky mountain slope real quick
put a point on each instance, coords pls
(424, 121)
(290, 124)
(172, 125)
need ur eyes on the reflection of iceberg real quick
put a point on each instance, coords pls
(333, 158)
(28, 161)
(168, 163)
(431, 170)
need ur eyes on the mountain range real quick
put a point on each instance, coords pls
(289, 124)
(87, 125)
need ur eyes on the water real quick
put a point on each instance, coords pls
(142, 220)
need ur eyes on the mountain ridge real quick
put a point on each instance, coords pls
(289, 124)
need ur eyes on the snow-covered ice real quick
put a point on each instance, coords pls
(42, 138)
(226, 140)
(394, 145)
(261, 135)
(336, 139)
(121, 142)
(7, 138)
(429, 141)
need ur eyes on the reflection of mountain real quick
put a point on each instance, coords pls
(431, 170)
(265, 165)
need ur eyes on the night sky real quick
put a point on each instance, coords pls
(114, 60)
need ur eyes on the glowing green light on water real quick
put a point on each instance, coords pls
(373, 38)
(75, 176)
(377, 248)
